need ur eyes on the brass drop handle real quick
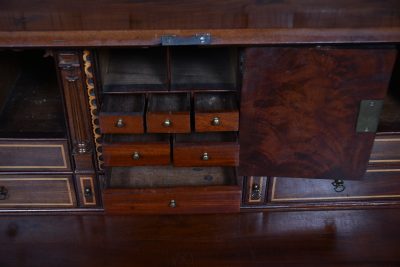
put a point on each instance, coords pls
(255, 192)
(172, 203)
(338, 186)
(167, 123)
(216, 121)
(120, 123)
(205, 156)
(136, 155)
(3, 193)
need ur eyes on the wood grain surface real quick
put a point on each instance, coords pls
(299, 110)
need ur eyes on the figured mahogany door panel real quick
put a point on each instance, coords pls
(299, 110)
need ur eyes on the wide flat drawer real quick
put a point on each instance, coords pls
(34, 155)
(376, 185)
(216, 149)
(136, 150)
(36, 191)
(168, 190)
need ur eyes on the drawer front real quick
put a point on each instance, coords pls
(376, 185)
(386, 151)
(123, 124)
(212, 199)
(136, 154)
(36, 191)
(217, 122)
(168, 123)
(18, 155)
(218, 154)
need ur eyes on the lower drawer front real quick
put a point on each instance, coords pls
(35, 155)
(213, 199)
(36, 191)
(376, 185)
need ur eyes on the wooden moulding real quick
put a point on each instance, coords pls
(206, 149)
(173, 108)
(122, 114)
(150, 149)
(216, 112)
(179, 190)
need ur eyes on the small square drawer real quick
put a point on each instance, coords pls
(207, 149)
(168, 190)
(122, 113)
(168, 113)
(34, 155)
(36, 191)
(216, 112)
(136, 150)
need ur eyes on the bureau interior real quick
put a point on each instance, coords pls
(30, 99)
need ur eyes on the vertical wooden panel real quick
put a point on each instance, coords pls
(299, 110)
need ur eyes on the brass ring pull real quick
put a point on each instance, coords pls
(255, 192)
(120, 123)
(338, 186)
(3, 193)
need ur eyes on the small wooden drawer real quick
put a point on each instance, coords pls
(216, 112)
(168, 113)
(376, 185)
(122, 113)
(36, 191)
(34, 155)
(168, 190)
(386, 150)
(136, 150)
(207, 149)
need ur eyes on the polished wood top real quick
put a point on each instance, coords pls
(120, 23)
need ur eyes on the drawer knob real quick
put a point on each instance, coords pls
(3, 193)
(88, 191)
(136, 155)
(255, 192)
(216, 121)
(172, 203)
(120, 123)
(167, 123)
(205, 156)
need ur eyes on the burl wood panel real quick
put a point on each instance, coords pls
(211, 199)
(299, 110)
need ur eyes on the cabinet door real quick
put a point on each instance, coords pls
(299, 109)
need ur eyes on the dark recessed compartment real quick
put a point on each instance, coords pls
(196, 68)
(216, 111)
(122, 113)
(30, 99)
(133, 70)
